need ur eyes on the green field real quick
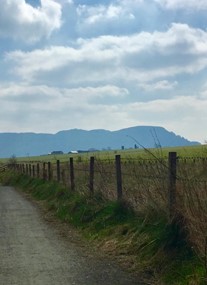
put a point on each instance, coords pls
(188, 151)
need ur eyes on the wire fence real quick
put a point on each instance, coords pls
(140, 182)
(169, 184)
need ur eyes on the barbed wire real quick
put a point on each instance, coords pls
(149, 164)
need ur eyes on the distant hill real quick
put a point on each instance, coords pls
(29, 144)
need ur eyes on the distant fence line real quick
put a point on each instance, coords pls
(3, 167)
(122, 176)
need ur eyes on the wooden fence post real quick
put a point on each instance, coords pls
(43, 171)
(38, 170)
(33, 170)
(27, 169)
(30, 170)
(72, 176)
(58, 170)
(172, 164)
(118, 177)
(91, 175)
(49, 175)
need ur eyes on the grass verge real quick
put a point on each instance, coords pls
(143, 242)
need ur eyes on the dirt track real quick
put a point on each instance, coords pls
(32, 252)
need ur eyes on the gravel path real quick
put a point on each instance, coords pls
(32, 252)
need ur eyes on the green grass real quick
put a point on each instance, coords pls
(145, 240)
(188, 151)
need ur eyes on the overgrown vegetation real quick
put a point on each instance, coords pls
(145, 241)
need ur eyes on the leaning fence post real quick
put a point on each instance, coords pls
(118, 177)
(72, 176)
(58, 170)
(172, 159)
(91, 175)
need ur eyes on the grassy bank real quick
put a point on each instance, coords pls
(143, 242)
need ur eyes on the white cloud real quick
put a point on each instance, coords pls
(126, 17)
(162, 85)
(184, 4)
(21, 21)
(139, 58)
(53, 95)
(115, 17)
(101, 13)
(182, 114)
(64, 1)
(33, 105)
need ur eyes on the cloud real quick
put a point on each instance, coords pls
(21, 21)
(116, 17)
(102, 13)
(184, 4)
(180, 114)
(31, 106)
(121, 17)
(39, 94)
(162, 85)
(138, 58)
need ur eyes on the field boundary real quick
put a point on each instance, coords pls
(94, 174)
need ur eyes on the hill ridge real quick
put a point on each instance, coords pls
(29, 143)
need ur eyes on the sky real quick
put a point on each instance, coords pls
(107, 64)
